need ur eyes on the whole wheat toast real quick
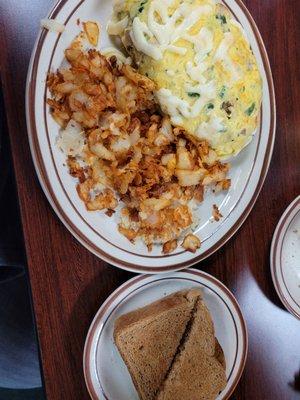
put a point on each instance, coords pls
(198, 370)
(148, 339)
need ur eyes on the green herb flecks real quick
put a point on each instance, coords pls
(210, 106)
(222, 92)
(193, 94)
(142, 6)
(250, 110)
(222, 19)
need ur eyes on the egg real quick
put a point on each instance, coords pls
(207, 78)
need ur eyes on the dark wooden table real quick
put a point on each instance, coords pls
(69, 284)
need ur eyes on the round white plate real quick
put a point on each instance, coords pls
(95, 230)
(105, 372)
(285, 258)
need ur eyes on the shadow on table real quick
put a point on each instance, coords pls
(30, 394)
(20, 376)
(19, 361)
(296, 383)
(265, 281)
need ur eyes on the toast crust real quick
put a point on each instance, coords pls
(155, 308)
(198, 370)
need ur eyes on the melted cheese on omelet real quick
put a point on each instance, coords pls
(200, 59)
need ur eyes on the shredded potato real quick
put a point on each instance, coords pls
(170, 246)
(92, 32)
(131, 154)
(191, 243)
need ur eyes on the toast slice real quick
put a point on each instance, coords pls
(148, 339)
(198, 370)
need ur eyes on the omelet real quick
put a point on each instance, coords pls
(206, 75)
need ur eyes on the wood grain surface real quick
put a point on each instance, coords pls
(69, 284)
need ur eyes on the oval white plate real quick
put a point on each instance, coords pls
(285, 258)
(106, 374)
(95, 230)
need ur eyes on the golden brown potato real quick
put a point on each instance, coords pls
(131, 153)
(92, 32)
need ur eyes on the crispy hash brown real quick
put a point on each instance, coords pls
(121, 148)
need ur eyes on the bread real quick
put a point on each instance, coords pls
(170, 349)
(148, 339)
(198, 370)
